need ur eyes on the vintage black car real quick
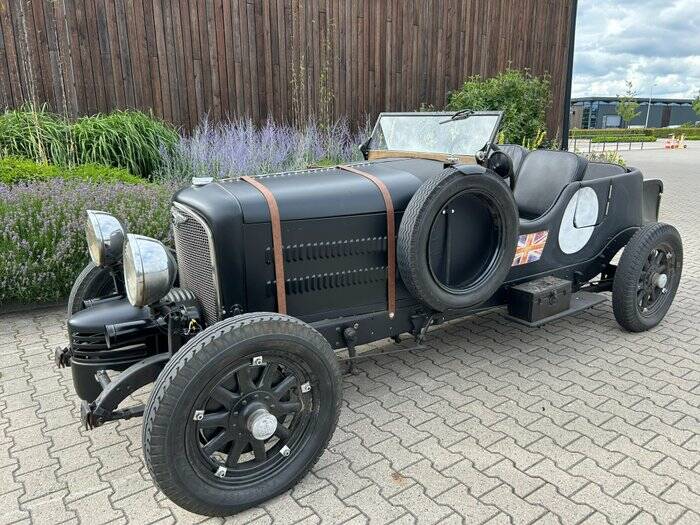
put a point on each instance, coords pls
(239, 325)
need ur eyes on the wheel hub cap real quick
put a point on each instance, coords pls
(261, 424)
(661, 280)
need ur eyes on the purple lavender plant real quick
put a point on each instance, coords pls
(238, 148)
(42, 236)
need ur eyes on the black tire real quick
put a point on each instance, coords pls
(639, 302)
(91, 283)
(175, 444)
(416, 246)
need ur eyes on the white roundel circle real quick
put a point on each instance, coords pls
(579, 221)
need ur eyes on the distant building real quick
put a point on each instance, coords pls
(601, 112)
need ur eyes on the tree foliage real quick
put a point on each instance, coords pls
(696, 105)
(627, 106)
(524, 99)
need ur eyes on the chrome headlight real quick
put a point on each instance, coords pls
(105, 237)
(149, 270)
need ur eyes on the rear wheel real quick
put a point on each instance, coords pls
(647, 277)
(241, 413)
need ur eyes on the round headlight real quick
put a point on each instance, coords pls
(149, 270)
(105, 237)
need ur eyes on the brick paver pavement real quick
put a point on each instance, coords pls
(573, 422)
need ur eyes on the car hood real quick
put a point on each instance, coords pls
(315, 193)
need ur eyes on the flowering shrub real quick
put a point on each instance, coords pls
(240, 148)
(42, 235)
(611, 156)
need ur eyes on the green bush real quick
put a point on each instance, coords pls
(42, 230)
(620, 138)
(123, 139)
(15, 169)
(523, 98)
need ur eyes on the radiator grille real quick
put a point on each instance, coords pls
(194, 260)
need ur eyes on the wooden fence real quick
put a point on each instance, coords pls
(186, 59)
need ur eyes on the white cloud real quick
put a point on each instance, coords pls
(644, 41)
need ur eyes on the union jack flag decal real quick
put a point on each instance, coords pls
(530, 247)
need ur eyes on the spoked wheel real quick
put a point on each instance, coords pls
(647, 277)
(253, 418)
(657, 270)
(241, 413)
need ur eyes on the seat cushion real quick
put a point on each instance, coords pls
(542, 177)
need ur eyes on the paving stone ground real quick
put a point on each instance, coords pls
(493, 422)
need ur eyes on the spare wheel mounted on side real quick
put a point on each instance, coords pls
(457, 238)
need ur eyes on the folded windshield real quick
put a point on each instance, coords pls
(434, 132)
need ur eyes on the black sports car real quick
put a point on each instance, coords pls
(239, 325)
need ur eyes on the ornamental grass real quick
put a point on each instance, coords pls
(131, 140)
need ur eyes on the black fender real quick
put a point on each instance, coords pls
(138, 375)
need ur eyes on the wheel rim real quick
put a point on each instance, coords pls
(656, 280)
(252, 420)
(482, 252)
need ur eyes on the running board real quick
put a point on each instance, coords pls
(579, 301)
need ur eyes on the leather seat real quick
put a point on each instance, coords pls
(542, 177)
(517, 154)
(600, 170)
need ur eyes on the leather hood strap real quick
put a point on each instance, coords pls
(276, 226)
(390, 235)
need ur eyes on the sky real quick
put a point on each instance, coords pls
(644, 41)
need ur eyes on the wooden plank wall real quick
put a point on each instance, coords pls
(289, 59)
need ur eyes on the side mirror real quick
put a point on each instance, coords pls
(364, 148)
(501, 164)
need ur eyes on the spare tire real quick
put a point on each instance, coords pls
(457, 238)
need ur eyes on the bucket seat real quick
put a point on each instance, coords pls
(542, 177)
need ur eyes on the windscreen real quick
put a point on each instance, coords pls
(434, 133)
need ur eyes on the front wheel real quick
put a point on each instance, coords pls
(647, 277)
(93, 282)
(241, 413)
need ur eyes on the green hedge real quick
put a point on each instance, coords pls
(620, 138)
(14, 170)
(655, 132)
(131, 140)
